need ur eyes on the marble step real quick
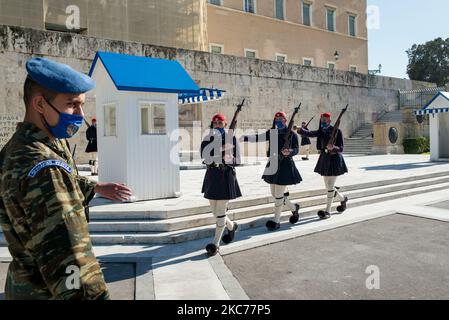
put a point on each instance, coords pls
(155, 238)
(143, 211)
(198, 220)
(250, 221)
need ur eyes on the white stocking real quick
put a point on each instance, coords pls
(219, 208)
(277, 192)
(332, 192)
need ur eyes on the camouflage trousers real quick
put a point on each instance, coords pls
(17, 289)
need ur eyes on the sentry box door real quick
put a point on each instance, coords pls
(111, 147)
(151, 173)
(443, 138)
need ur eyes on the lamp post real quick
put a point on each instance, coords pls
(336, 55)
(373, 72)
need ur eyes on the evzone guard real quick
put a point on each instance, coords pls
(305, 141)
(220, 182)
(331, 163)
(280, 171)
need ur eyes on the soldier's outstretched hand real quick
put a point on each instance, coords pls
(229, 159)
(113, 191)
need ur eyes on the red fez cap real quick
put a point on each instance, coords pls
(219, 117)
(280, 114)
(326, 115)
(94, 119)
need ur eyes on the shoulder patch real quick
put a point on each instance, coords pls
(49, 163)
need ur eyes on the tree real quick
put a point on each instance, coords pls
(429, 62)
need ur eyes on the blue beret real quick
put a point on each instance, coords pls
(58, 77)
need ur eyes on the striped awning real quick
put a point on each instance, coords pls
(204, 95)
(438, 104)
(430, 111)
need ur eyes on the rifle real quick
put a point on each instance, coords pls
(288, 136)
(87, 123)
(231, 128)
(73, 153)
(230, 135)
(335, 129)
(234, 119)
(307, 125)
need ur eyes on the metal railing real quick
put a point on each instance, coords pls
(417, 98)
(381, 114)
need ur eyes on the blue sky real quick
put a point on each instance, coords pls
(403, 23)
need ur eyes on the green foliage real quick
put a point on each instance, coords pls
(416, 145)
(429, 62)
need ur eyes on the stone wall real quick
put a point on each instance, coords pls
(267, 86)
(173, 23)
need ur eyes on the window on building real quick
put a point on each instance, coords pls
(249, 53)
(62, 18)
(331, 65)
(308, 62)
(152, 118)
(281, 57)
(110, 120)
(216, 2)
(250, 6)
(330, 19)
(352, 25)
(307, 14)
(353, 68)
(216, 48)
(279, 9)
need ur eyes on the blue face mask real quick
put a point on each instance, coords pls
(324, 125)
(68, 124)
(221, 130)
(279, 124)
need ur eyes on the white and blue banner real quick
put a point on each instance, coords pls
(204, 95)
(430, 111)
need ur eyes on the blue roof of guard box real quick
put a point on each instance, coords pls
(134, 73)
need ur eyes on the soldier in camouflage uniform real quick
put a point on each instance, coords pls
(42, 197)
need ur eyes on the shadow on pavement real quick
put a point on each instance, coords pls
(120, 271)
(115, 272)
(200, 244)
(120, 279)
(172, 259)
(404, 166)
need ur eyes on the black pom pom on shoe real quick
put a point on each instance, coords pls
(229, 236)
(342, 207)
(211, 249)
(323, 215)
(295, 215)
(271, 225)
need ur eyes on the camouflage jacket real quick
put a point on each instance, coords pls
(42, 215)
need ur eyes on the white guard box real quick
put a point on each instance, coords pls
(137, 120)
(438, 111)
